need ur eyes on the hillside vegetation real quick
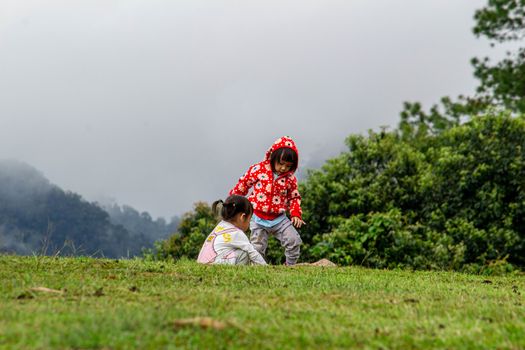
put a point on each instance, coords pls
(455, 200)
(136, 304)
(39, 217)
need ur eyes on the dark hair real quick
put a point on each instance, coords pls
(284, 154)
(232, 206)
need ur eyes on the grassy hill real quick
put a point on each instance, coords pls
(135, 304)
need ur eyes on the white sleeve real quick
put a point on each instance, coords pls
(242, 242)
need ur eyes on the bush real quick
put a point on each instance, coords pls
(193, 229)
(455, 200)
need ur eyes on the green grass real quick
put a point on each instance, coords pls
(134, 304)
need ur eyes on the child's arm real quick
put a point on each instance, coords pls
(245, 182)
(240, 241)
(294, 197)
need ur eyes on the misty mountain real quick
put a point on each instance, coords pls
(140, 223)
(39, 217)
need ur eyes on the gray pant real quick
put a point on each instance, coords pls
(284, 232)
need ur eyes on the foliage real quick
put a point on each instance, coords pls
(378, 173)
(501, 84)
(501, 20)
(37, 217)
(141, 223)
(193, 229)
(455, 200)
(378, 239)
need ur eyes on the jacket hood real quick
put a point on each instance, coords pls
(282, 142)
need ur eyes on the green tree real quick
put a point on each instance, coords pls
(476, 187)
(193, 229)
(38, 217)
(501, 84)
(379, 172)
(454, 200)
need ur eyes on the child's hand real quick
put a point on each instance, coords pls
(297, 222)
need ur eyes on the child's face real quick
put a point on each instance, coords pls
(282, 166)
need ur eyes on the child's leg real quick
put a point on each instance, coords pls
(259, 238)
(290, 240)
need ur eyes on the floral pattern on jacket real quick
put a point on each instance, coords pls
(271, 197)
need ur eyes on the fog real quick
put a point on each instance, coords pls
(159, 104)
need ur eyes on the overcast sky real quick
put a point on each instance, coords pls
(159, 104)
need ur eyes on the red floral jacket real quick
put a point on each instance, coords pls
(271, 197)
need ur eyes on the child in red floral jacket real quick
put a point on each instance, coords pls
(274, 193)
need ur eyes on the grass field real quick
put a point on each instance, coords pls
(135, 304)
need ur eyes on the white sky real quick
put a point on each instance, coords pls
(159, 104)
